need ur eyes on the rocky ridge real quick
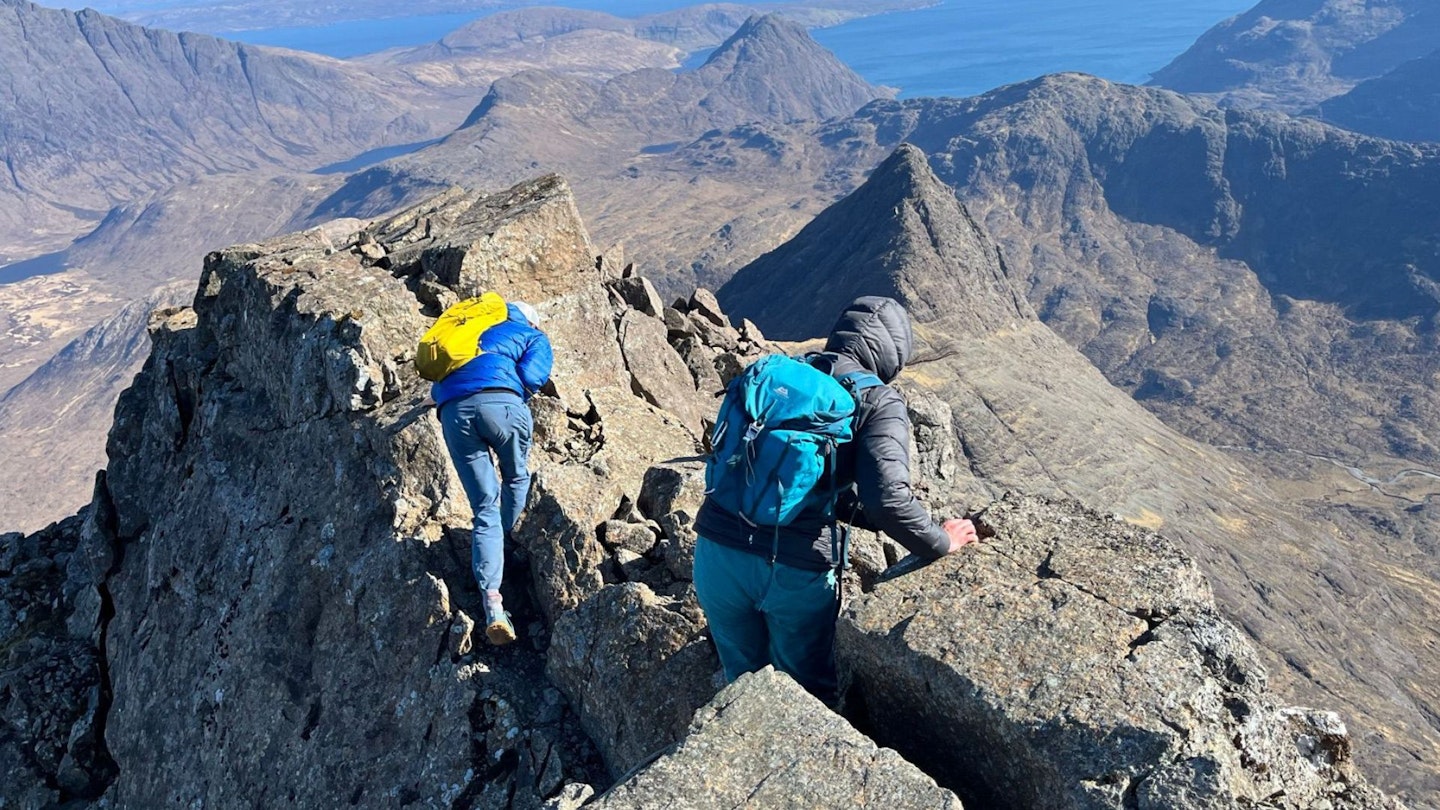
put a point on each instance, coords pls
(1001, 402)
(273, 574)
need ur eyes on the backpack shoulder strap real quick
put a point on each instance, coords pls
(854, 381)
(857, 381)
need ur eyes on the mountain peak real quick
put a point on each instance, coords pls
(770, 25)
(773, 66)
(902, 234)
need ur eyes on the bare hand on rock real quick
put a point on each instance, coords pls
(962, 533)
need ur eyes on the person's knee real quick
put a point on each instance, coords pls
(486, 517)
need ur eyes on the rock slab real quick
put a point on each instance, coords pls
(1076, 661)
(764, 742)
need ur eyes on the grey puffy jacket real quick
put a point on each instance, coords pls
(872, 334)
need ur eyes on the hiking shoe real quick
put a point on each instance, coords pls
(498, 627)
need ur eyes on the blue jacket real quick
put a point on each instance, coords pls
(514, 356)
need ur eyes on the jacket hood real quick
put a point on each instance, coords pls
(518, 314)
(876, 332)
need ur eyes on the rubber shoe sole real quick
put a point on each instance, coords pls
(500, 631)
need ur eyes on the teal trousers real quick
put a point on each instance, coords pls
(762, 613)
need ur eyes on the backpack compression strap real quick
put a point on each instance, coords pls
(854, 382)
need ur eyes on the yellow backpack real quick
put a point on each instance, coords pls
(454, 340)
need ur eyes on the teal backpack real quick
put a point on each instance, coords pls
(775, 439)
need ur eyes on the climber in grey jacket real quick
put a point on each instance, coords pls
(784, 613)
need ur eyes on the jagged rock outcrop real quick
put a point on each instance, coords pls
(252, 612)
(657, 645)
(261, 619)
(764, 742)
(273, 577)
(927, 251)
(1078, 661)
(262, 622)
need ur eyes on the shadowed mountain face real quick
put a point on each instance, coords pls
(904, 235)
(1254, 279)
(1026, 411)
(1291, 54)
(1402, 104)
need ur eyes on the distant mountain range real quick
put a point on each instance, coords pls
(691, 28)
(1269, 248)
(201, 15)
(1305, 55)
(622, 141)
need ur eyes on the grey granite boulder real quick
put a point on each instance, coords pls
(764, 742)
(658, 373)
(1076, 661)
(704, 305)
(677, 484)
(639, 294)
(636, 667)
(573, 496)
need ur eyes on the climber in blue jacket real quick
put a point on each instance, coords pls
(482, 409)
